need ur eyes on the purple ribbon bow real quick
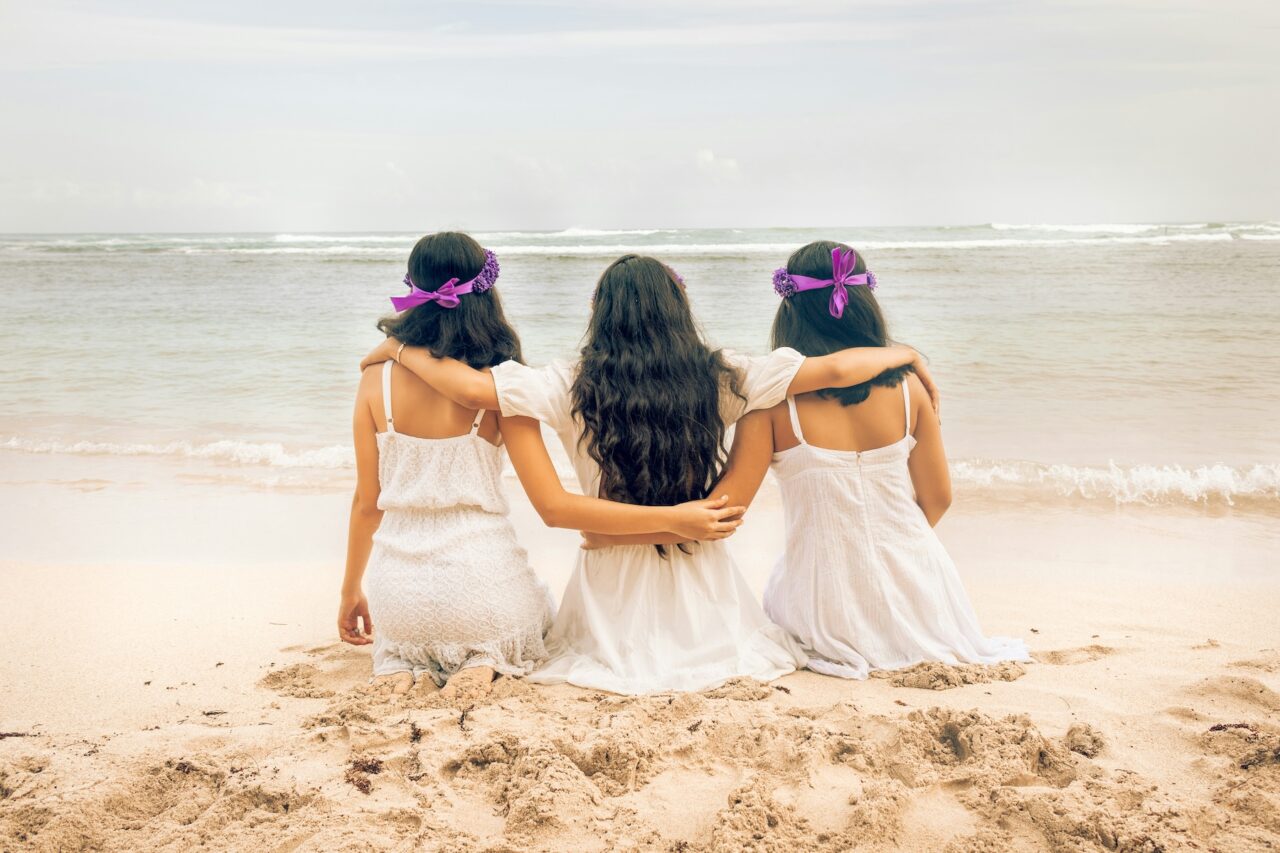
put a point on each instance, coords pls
(447, 295)
(842, 266)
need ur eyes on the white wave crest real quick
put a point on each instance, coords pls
(561, 243)
(401, 239)
(1137, 484)
(728, 249)
(238, 452)
(1106, 228)
(1134, 484)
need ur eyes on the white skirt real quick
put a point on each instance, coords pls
(632, 622)
(452, 588)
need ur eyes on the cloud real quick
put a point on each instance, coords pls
(717, 167)
(84, 39)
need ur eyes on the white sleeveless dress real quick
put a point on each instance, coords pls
(448, 585)
(631, 621)
(865, 583)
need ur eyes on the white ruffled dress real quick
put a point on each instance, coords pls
(631, 621)
(865, 584)
(448, 585)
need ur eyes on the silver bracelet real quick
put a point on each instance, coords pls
(400, 350)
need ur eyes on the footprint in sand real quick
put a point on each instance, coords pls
(1250, 693)
(1071, 657)
(1267, 661)
(338, 669)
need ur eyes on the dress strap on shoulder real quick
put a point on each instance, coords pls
(386, 393)
(475, 425)
(795, 419)
(906, 407)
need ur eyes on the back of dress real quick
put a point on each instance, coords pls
(865, 583)
(630, 620)
(449, 586)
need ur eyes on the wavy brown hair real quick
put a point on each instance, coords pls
(648, 389)
(804, 320)
(475, 332)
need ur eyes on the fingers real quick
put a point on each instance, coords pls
(714, 503)
(348, 634)
(728, 512)
(930, 387)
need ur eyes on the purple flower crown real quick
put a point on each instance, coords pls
(484, 279)
(782, 283)
(844, 262)
(785, 286)
(488, 273)
(446, 295)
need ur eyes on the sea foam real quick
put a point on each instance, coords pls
(1122, 484)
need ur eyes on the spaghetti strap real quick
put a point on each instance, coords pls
(906, 407)
(475, 425)
(795, 420)
(386, 394)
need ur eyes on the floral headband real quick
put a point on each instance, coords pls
(446, 296)
(843, 263)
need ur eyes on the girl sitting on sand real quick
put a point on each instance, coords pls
(864, 583)
(643, 414)
(452, 591)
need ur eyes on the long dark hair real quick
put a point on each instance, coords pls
(804, 320)
(648, 389)
(476, 331)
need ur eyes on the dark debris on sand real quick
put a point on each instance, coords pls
(359, 772)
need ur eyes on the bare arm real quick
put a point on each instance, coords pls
(365, 518)
(706, 519)
(748, 461)
(466, 386)
(857, 365)
(928, 463)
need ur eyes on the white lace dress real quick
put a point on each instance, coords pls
(865, 583)
(448, 584)
(631, 621)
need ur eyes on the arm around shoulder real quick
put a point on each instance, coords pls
(849, 367)
(462, 383)
(560, 508)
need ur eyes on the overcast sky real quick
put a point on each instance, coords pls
(136, 115)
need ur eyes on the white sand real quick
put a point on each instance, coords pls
(171, 662)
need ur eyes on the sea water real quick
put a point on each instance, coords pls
(1134, 363)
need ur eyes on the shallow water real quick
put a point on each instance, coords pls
(1134, 363)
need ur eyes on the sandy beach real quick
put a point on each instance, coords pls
(211, 213)
(186, 689)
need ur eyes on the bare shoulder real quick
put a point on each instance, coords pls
(370, 383)
(755, 421)
(916, 388)
(784, 437)
(921, 405)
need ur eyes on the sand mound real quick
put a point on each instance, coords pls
(941, 676)
(1268, 661)
(1071, 657)
(1238, 691)
(298, 681)
(1084, 739)
(742, 767)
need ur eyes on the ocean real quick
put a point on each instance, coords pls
(1124, 363)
